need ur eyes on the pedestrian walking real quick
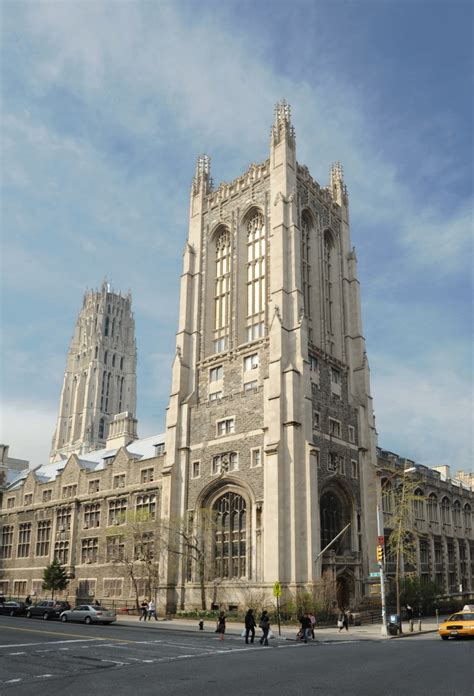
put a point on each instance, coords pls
(221, 625)
(143, 610)
(312, 618)
(305, 622)
(265, 626)
(28, 601)
(152, 610)
(249, 626)
(342, 621)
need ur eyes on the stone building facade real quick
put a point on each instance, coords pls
(79, 510)
(441, 522)
(100, 377)
(270, 448)
(270, 422)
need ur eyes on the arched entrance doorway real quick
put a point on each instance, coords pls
(344, 591)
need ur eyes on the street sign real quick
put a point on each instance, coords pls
(375, 575)
(381, 540)
(277, 590)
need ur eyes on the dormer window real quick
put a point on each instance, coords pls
(159, 449)
(119, 481)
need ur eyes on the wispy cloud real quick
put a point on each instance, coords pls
(108, 104)
(429, 410)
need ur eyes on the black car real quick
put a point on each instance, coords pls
(47, 609)
(12, 608)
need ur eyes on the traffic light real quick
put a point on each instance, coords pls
(380, 554)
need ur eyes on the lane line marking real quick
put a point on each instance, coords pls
(116, 662)
(60, 633)
(49, 642)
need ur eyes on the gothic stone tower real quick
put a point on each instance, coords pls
(100, 377)
(270, 422)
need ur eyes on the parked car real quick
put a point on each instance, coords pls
(12, 608)
(89, 613)
(47, 609)
(458, 625)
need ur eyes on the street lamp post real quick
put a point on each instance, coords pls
(401, 516)
(399, 538)
(382, 574)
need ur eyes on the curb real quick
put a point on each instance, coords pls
(415, 633)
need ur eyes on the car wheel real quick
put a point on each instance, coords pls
(87, 620)
(64, 618)
(28, 614)
(45, 616)
(444, 637)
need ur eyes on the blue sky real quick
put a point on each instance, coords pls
(105, 107)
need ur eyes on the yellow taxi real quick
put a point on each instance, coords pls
(459, 624)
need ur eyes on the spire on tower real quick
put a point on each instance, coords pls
(282, 123)
(337, 185)
(202, 177)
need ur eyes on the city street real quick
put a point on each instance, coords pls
(38, 657)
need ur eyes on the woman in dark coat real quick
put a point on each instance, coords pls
(249, 626)
(221, 625)
(265, 626)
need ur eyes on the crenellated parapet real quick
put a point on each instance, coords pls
(226, 191)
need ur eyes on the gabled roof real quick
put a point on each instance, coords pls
(93, 461)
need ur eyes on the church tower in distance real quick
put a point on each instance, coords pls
(100, 378)
(270, 426)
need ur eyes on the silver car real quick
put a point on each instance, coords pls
(89, 613)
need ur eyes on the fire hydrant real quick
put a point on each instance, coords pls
(201, 625)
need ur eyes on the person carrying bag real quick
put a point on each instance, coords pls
(265, 626)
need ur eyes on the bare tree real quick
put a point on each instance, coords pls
(191, 539)
(402, 541)
(137, 547)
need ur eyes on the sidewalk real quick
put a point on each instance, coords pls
(332, 633)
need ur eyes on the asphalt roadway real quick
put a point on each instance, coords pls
(38, 657)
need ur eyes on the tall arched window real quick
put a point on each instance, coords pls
(107, 393)
(433, 508)
(255, 277)
(121, 379)
(329, 268)
(387, 497)
(457, 513)
(230, 550)
(222, 292)
(445, 511)
(332, 518)
(419, 504)
(305, 266)
(103, 390)
(101, 428)
(467, 516)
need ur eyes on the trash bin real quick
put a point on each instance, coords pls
(394, 624)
